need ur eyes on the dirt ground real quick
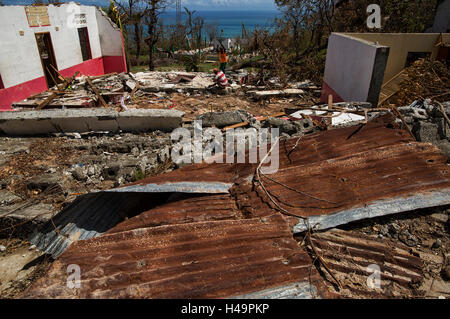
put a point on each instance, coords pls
(20, 266)
(197, 104)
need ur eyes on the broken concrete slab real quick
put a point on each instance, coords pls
(222, 119)
(259, 95)
(86, 120)
(22, 219)
(43, 182)
(140, 120)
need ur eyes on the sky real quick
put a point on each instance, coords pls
(190, 4)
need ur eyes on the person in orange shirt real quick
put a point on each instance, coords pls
(223, 59)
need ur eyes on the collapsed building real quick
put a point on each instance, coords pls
(42, 42)
(368, 67)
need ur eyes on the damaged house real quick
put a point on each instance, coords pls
(369, 67)
(42, 42)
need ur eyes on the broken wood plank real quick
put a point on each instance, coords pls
(134, 90)
(46, 101)
(103, 76)
(97, 93)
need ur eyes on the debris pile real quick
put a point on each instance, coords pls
(426, 79)
(429, 122)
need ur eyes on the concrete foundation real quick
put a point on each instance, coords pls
(87, 120)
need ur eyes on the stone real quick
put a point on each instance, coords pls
(446, 273)
(135, 151)
(2, 248)
(285, 126)
(304, 126)
(6, 197)
(441, 217)
(42, 182)
(437, 244)
(444, 146)
(91, 170)
(428, 132)
(163, 154)
(407, 238)
(79, 174)
(222, 119)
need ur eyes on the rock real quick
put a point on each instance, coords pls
(2, 248)
(110, 172)
(120, 181)
(444, 146)
(437, 244)
(222, 119)
(440, 217)
(79, 174)
(135, 151)
(163, 154)
(51, 170)
(446, 273)
(408, 239)
(384, 230)
(285, 126)
(427, 132)
(91, 170)
(42, 182)
(419, 113)
(6, 197)
(32, 247)
(305, 125)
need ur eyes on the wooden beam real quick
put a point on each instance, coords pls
(97, 93)
(103, 76)
(47, 101)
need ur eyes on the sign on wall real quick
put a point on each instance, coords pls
(37, 16)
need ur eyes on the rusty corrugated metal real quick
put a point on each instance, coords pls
(231, 245)
(348, 254)
(214, 259)
(183, 210)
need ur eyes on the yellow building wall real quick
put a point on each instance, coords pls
(400, 44)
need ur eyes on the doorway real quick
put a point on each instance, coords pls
(48, 60)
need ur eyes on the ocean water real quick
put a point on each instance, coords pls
(229, 22)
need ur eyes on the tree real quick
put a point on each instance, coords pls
(197, 30)
(135, 10)
(189, 27)
(155, 8)
(212, 30)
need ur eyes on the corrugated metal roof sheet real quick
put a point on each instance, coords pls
(348, 255)
(213, 259)
(238, 244)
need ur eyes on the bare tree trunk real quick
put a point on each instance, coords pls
(137, 40)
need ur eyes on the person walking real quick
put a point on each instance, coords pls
(223, 59)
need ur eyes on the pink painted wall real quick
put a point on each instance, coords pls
(91, 67)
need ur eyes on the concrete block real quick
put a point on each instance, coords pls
(149, 119)
(86, 120)
(259, 95)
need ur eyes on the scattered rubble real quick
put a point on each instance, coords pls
(426, 79)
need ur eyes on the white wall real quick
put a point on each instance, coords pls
(349, 67)
(19, 55)
(110, 37)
